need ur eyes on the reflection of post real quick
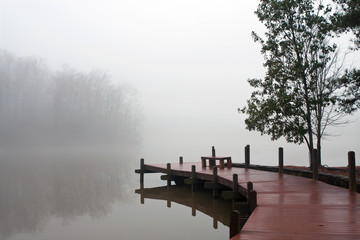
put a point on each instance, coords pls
(215, 223)
(193, 211)
(169, 203)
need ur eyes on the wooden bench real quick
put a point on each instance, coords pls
(213, 159)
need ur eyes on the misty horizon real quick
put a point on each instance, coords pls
(188, 61)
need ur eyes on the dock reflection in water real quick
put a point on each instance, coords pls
(94, 198)
(200, 200)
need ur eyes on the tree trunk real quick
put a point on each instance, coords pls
(319, 150)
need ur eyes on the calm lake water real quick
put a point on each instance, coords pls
(100, 198)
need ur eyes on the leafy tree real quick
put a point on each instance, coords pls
(347, 18)
(297, 99)
(350, 97)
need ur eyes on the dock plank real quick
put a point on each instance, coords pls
(289, 207)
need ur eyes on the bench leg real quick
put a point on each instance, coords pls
(229, 163)
(221, 163)
(203, 162)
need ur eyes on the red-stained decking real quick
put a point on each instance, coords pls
(289, 207)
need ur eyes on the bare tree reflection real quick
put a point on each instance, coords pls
(32, 191)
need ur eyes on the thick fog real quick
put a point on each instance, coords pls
(65, 111)
(172, 76)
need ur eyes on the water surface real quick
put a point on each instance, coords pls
(96, 198)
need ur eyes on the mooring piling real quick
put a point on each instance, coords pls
(193, 179)
(141, 170)
(215, 181)
(234, 223)
(281, 160)
(247, 156)
(352, 171)
(252, 200)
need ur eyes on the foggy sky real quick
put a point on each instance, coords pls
(189, 60)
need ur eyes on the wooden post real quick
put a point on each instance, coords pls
(235, 182)
(193, 176)
(168, 166)
(252, 200)
(181, 160)
(214, 185)
(315, 164)
(141, 170)
(247, 156)
(352, 171)
(234, 195)
(234, 223)
(249, 188)
(281, 160)
(213, 151)
(215, 181)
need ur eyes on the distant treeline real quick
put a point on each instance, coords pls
(41, 107)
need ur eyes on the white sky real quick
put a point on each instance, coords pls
(189, 59)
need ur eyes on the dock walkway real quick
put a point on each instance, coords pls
(288, 207)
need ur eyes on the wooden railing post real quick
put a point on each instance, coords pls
(315, 164)
(181, 160)
(193, 176)
(235, 182)
(168, 166)
(234, 223)
(281, 160)
(250, 187)
(215, 181)
(141, 170)
(213, 151)
(352, 171)
(252, 200)
(247, 156)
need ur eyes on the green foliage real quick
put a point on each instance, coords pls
(296, 98)
(273, 111)
(347, 18)
(350, 98)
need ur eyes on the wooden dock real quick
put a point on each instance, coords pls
(288, 207)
